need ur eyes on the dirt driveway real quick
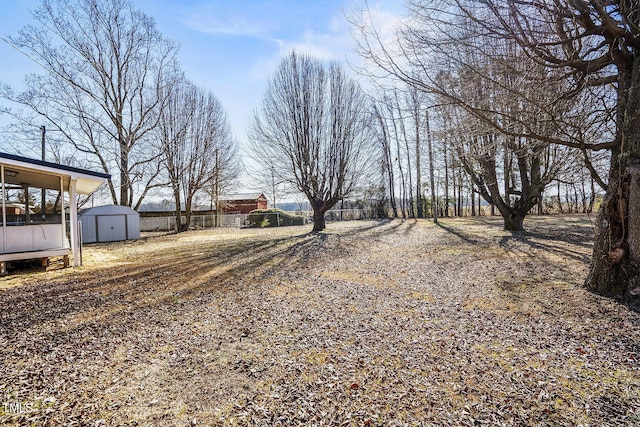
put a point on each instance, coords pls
(370, 323)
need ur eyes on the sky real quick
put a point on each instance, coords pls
(230, 47)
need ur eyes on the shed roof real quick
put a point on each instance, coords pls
(240, 196)
(108, 210)
(38, 173)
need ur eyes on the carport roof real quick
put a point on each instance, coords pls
(41, 174)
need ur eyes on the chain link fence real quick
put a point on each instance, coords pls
(167, 223)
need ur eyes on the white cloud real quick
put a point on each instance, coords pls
(335, 43)
(232, 27)
(328, 40)
(384, 22)
(210, 19)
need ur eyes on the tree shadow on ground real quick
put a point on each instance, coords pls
(631, 302)
(411, 224)
(109, 294)
(466, 237)
(359, 230)
(551, 241)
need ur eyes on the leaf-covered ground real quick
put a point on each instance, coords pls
(370, 323)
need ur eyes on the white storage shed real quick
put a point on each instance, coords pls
(110, 223)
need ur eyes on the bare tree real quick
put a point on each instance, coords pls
(264, 178)
(510, 172)
(313, 126)
(587, 44)
(398, 116)
(198, 148)
(432, 181)
(386, 157)
(489, 80)
(415, 106)
(596, 44)
(105, 64)
(507, 171)
(393, 110)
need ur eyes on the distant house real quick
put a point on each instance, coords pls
(242, 203)
(16, 208)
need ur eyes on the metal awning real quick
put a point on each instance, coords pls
(20, 241)
(23, 171)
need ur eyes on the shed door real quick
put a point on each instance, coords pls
(111, 228)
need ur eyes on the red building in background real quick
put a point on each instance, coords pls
(242, 203)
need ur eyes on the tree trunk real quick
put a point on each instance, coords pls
(392, 197)
(420, 212)
(592, 199)
(124, 174)
(188, 203)
(540, 206)
(460, 195)
(514, 221)
(432, 182)
(412, 208)
(513, 213)
(633, 239)
(473, 203)
(178, 225)
(506, 172)
(446, 182)
(455, 193)
(615, 267)
(403, 185)
(319, 223)
(559, 198)
(387, 163)
(319, 207)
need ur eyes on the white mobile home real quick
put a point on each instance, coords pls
(26, 236)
